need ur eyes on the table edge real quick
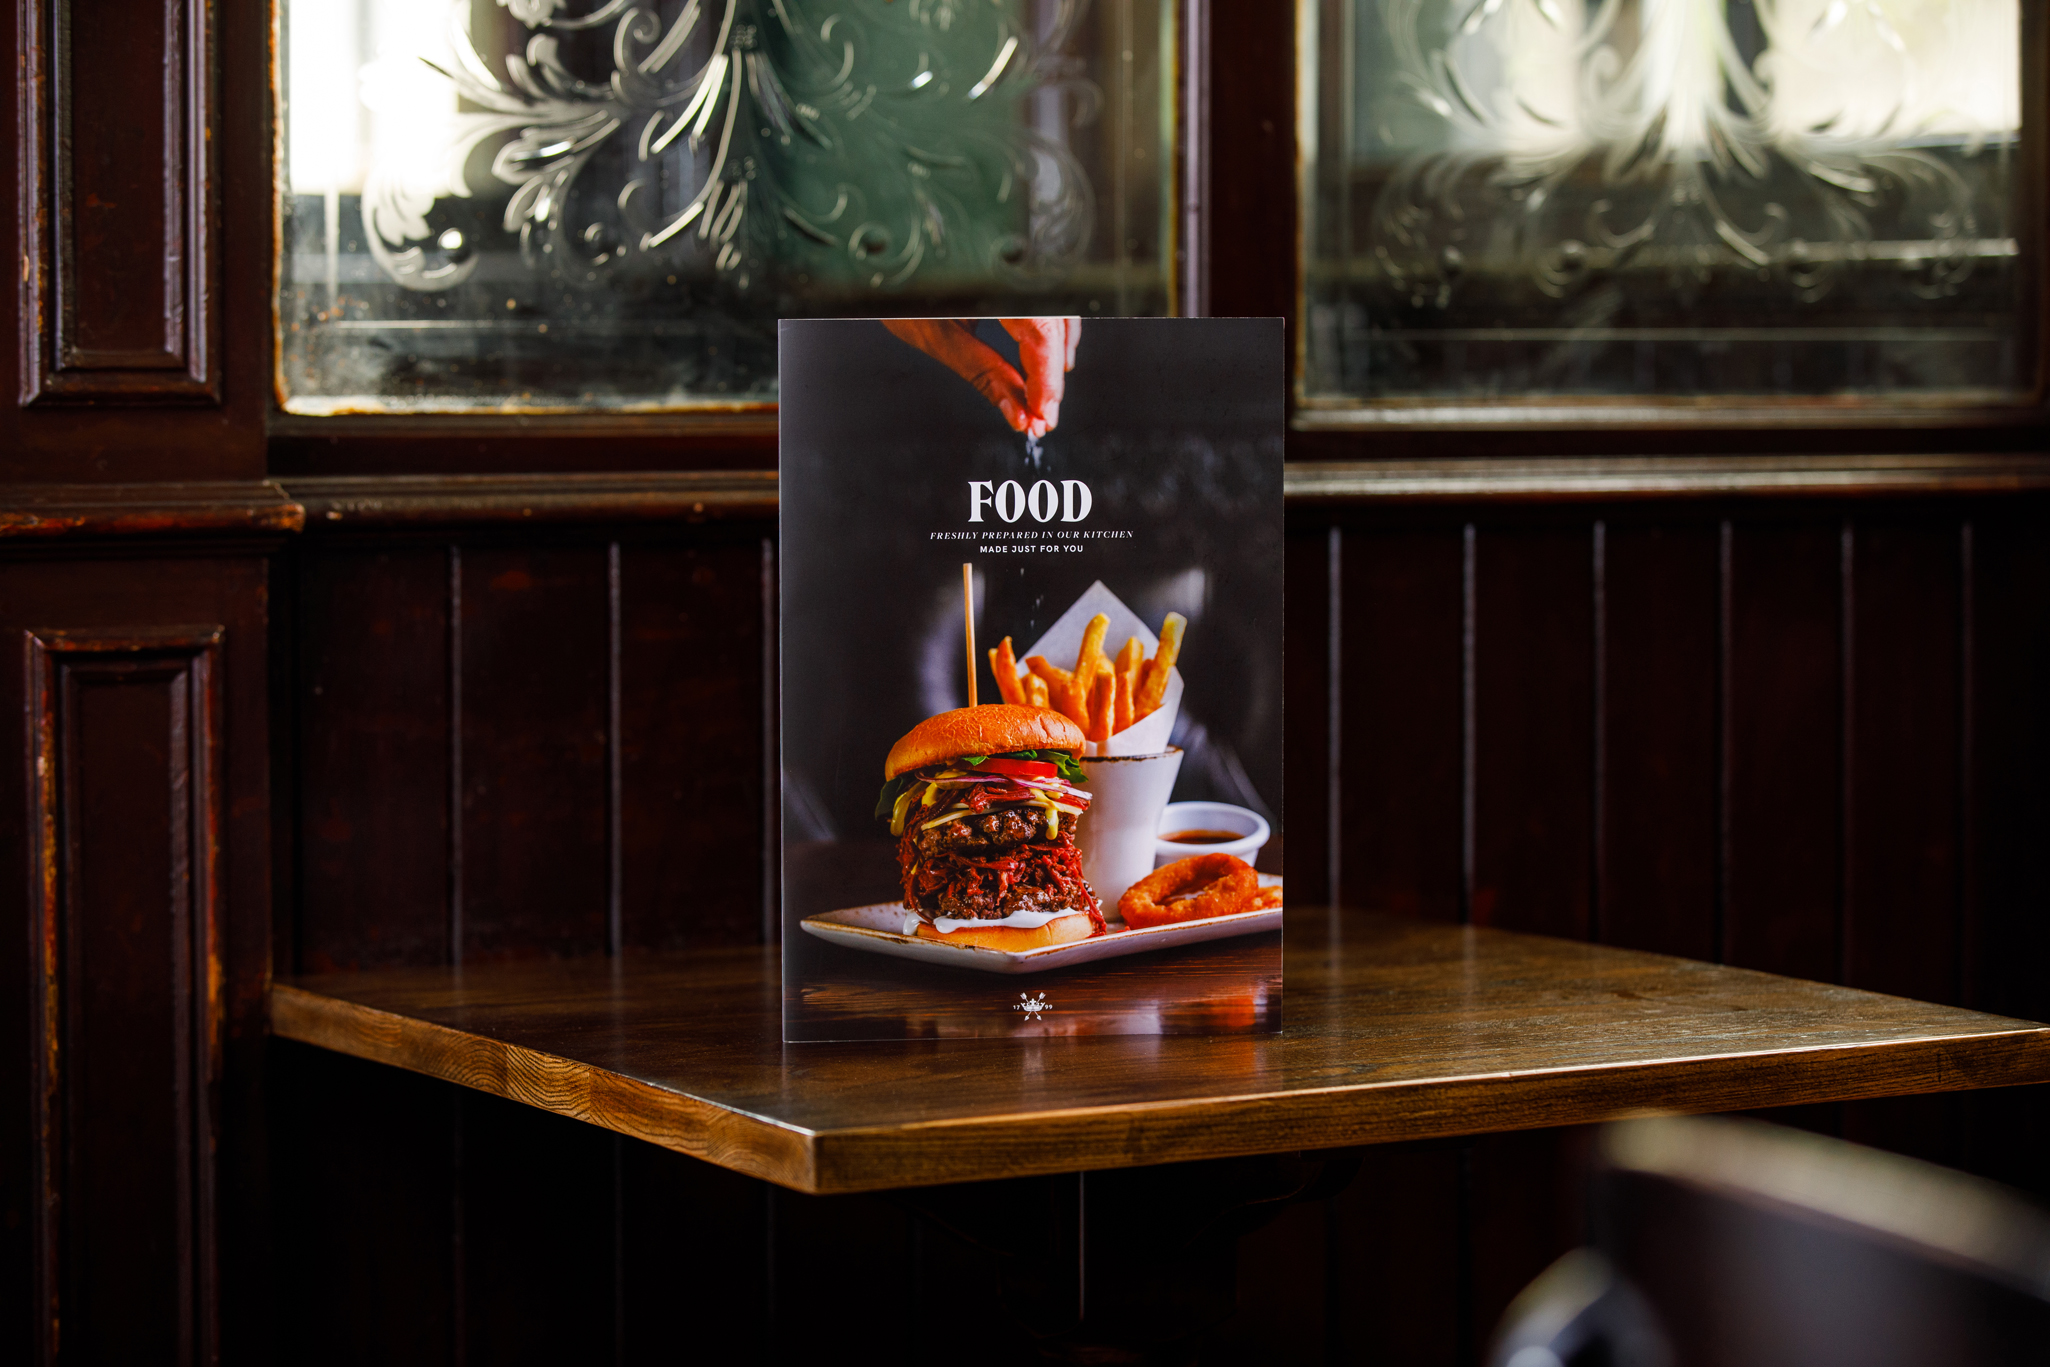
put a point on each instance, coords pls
(1086, 1138)
(758, 1146)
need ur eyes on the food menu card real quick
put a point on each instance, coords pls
(1030, 579)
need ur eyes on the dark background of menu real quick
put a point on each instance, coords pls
(1175, 425)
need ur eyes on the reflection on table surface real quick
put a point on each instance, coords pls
(1222, 987)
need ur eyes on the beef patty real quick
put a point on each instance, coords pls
(967, 904)
(985, 834)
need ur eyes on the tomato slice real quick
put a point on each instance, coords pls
(1018, 768)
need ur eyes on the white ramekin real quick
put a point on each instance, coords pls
(1209, 816)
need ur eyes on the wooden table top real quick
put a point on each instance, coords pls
(1395, 1030)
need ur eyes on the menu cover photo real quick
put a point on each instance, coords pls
(1030, 576)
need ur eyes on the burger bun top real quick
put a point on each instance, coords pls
(992, 729)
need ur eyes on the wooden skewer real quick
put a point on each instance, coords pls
(968, 616)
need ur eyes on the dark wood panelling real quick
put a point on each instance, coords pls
(1500, 479)
(1786, 675)
(115, 141)
(135, 1084)
(372, 698)
(355, 502)
(537, 1268)
(1901, 922)
(124, 767)
(534, 673)
(1903, 927)
(1400, 712)
(79, 511)
(2008, 919)
(2006, 873)
(1658, 872)
(691, 809)
(607, 746)
(343, 451)
(364, 1159)
(1249, 272)
(824, 1307)
(693, 1248)
(1533, 729)
(1397, 1247)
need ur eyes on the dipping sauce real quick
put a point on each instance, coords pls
(1205, 837)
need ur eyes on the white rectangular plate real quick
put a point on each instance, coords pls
(879, 929)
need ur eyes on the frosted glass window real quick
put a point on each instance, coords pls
(1517, 201)
(535, 205)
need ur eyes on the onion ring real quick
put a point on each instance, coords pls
(1192, 889)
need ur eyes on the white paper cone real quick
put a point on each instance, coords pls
(1062, 642)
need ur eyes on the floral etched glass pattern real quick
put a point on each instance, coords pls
(535, 205)
(1523, 201)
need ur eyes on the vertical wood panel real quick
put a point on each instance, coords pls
(125, 772)
(1902, 923)
(1533, 799)
(1399, 771)
(115, 150)
(1662, 745)
(535, 670)
(1786, 720)
(1902, 927)
(2008, 918)
(373, 718)
(1306, 678)
(691, 735)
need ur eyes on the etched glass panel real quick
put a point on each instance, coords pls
(1524, 200)
(534, 205)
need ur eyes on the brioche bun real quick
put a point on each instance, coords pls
(1061, 930)
(993, 729)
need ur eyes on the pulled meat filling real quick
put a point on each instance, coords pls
(987, 866)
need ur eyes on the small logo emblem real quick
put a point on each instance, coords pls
(1032, 1005)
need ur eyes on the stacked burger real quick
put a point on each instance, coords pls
(984, 802)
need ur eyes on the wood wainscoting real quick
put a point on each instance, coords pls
(135, 977)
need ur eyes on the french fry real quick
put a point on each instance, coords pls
(1121, 699)
(1153, 685)
(1126, 668)
(1004, 665)
(1035, 691)
(1101, 703)
(1171, 640)
(1092, 650)
(1060, 687)
(1057, 679)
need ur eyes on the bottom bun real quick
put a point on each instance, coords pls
(1061, 930)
